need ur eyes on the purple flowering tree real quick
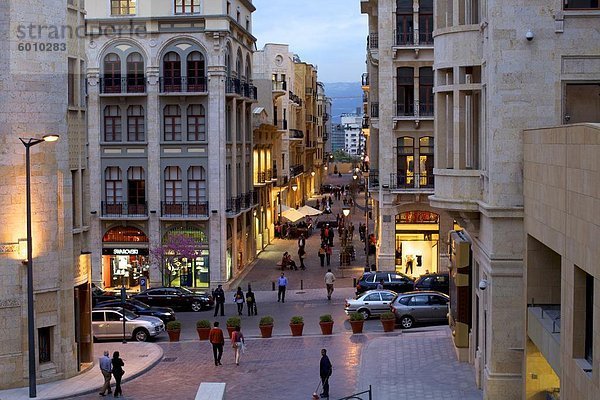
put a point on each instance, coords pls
(173, 254)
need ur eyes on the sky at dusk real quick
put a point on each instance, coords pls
(330, 34)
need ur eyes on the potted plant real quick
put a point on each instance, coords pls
(266, 326)
(297, 325)
(232, 323)
(203, 329)
(174, 330)
(388, 320)
(357, 320)
(326, 324)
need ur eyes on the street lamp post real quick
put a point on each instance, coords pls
(29, 143)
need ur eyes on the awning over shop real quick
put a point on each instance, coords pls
(308, 210)
(292, 215)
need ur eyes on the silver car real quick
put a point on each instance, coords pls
(108, 324)
(425, 306)
(371, 302)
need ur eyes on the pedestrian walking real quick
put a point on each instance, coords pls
(329, 279)
(325, 371)
(237, 342)
(328, 251)
(106, 369)
(118, 372)
(219, 296)
(330, 237)
(301, 254)
(301, 241)
(216, 338)
(322, 254)
(282, 285)
(251, 302)
(317, 205)
(238, 298)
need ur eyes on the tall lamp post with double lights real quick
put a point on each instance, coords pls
(366, 176)
(29, 143)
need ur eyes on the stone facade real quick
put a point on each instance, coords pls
(501, 67)
(398, 92)
(561, 181)
(170, 132)
(40, 81)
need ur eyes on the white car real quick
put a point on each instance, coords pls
(107, 323)
(371, 302)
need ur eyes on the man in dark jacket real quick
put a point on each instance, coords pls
(325, 371)
(219, 296)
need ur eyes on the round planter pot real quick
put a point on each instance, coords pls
(203, 333)
(388, 324)
(174, 335)
(297, 329)
(357, 326)
(326, 327)
(266, 330)
(230, 330)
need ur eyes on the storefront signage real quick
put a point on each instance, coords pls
(124, 252)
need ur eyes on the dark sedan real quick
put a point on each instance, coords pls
(175, 297)
(394, 281)
(437, 282)
(99, 295)
(136, 306)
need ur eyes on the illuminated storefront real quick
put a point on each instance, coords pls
(417, 242)
(124, 257)
(188, 272)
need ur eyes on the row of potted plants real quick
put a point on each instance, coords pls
(388, 320)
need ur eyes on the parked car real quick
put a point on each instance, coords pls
(414, 307)
(107, 323)
(164, 313)
(394, 281)
(175, 297)
(99, 295)
(436, 282)
(370, 303)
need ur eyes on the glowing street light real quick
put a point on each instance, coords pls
(346, 211)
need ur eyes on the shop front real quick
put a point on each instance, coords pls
(124, 258)
(417, 242)
(185, 258)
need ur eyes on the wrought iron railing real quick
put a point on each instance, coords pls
(233, 85)
(411, 181)
(118, 85)
(233, 205)
(373, 179)
(296, 134)
(296, 169)
(182, 84)
(279, 86)
(416, 110)
(124, 209)
(184, 209)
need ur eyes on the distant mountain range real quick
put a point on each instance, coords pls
(347, 97)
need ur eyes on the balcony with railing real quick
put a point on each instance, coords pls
(295, 99)
(373, 179)
(248, 90)
(233, 86)
(296, 134)
(183, 84)
(296, 170)
(118, 85)
(309, 91)
(234, 205)
(183, 209)
(414, 110)
(411, 181)
(124, 209)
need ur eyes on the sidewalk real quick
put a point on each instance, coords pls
(138, 358)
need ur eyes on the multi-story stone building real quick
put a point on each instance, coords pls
(170, 139)
(502, 67)
(43, 94)
(398, 88)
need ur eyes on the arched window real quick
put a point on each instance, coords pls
(112, 124)
(196, 185)
(196, 71)
(248, 72)
(228, 60)
(113, 185)
(196, 123)
(136, 130)
(111, 81)
(173, 193)
(405, 162)
(426, 161)
(239, 65)
(172, 123)
(405, 87)
(135, 74)
(172, 72)
(136, 191)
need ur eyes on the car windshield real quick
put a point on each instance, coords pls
(129, 315)
(139, 304)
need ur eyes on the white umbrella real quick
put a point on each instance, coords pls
(308, 210)
(292, 215)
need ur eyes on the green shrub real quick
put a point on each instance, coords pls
(296, 320)
(326, 318)
(203, 323)
(266, 320)
(173, 325)
(387, 316)
(234, 322)
(355, 316)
